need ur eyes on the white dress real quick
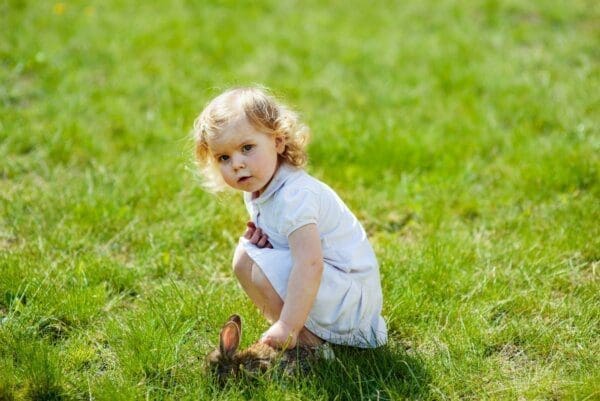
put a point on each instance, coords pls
(347, 309)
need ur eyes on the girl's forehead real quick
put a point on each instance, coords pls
(233, 133)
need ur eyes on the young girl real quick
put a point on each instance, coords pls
(304, 259)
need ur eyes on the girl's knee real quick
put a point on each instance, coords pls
(258, 277)
(241, 264)
(247, 272)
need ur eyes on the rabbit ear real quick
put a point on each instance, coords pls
(231, 333)
(236, 319)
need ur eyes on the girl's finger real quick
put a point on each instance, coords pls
(263, 241)
(250, 227)
(256, 236)
(248, 233)
(268, 341)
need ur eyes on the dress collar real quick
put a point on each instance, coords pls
(284, 171)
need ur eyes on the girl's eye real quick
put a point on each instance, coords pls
(247, 148)
(223, 158)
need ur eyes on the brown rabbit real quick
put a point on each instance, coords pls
(226, 361)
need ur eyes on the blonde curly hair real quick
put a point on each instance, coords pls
(261, 110)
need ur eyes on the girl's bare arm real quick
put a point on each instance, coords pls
(303, 285)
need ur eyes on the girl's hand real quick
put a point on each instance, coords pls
(256, 236)
(280, 335)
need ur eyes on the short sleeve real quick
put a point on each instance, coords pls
(301, 208)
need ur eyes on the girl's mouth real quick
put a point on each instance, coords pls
(243, 179)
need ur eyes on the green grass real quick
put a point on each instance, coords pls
(463, 134)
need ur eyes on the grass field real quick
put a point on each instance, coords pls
(464, 135)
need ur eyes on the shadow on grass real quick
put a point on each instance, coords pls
(382, 373)
(385, 373)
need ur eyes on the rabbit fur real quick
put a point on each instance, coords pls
(227, 361)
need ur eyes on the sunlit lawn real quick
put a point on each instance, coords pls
(464, 135)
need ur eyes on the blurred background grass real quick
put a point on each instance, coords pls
(463, 134)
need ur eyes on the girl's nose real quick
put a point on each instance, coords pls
(238, 162)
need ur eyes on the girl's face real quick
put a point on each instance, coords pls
(247, 158)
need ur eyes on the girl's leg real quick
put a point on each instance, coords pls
(263, 295)
(256, 285)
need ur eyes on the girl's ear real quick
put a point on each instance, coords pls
(229, 338)
(280, 143)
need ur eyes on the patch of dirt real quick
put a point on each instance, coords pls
(513, 352)
(7, 240)
(510, 357)
(54, 328)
